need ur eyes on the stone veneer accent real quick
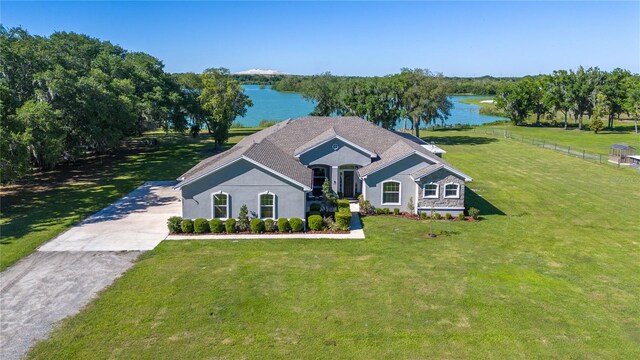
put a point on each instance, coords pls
(441, 177)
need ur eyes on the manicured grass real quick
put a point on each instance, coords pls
(42, 209)
(477, 100)
(551, 271)
(578, 139)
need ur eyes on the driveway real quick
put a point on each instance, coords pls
(66, 273)
(138, 221)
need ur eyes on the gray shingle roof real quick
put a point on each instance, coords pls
(276, 146)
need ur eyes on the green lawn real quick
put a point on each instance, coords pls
(551, 271)
(38, 212)
(578, 139)
(477, 100)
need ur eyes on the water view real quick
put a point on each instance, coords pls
(269, 104)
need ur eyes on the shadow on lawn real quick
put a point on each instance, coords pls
(474, 200)
(459, 140)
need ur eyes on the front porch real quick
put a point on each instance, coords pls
(344, 181)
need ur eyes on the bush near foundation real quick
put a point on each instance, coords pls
(296, 224)
(174, 224)
(230, 226)
(187, 226)
(315, 222)
(257, 225)
(283, 225)
(216, 226)
(200, 226)
(343, 219)
(269, 225)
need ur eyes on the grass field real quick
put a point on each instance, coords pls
(551, 271)
(54, 201)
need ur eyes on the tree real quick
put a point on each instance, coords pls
(223, 99)
(44, 132)
(600, 110)
(515, 100)
(632, 101)
(423, 97)
(557, 96)
(538, 91)
(323, 89)
(612, 86)
(243, 219)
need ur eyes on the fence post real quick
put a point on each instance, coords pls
(569, 150)
(555, 147)
(600, 160)
(582, 154)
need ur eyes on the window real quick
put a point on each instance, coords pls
(391, 192)
(267, 205)
(452, 190)
(221, 205)
(430, 191)
(319, 175)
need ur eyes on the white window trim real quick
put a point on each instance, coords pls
(272, 206)
(436, 196)
(457, 195)
(399, 192)
(213, 205)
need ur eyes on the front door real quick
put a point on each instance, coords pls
(347, 184)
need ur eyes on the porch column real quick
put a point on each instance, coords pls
(334, 179)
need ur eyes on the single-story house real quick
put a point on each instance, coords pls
(279, 171)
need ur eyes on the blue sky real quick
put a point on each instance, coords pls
(355, 38)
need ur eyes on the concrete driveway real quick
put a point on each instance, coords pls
(138, 221)
(65, 274)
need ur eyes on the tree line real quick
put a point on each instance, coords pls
(600, 95)
(68, 94)
(486, 85)
(415, 97)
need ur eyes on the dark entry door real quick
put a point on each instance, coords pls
(348, 184)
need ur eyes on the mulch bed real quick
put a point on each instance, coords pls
(416, 217)
(265, 233)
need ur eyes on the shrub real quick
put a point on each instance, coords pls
(379, 211)
(187, 226)
(365, 207)
(396, 211)
(200, 226)
(437, 216)
(243, 219)
(461, 216)
(283, 225)
(296, 224)
(174, 224)
(410, 206)
(315, 207)
(315, 222)
(386, 211)
(343, 204)
(424, 215)
(312, 213)
(474, 213)
(343, 220)
(329, 223)
(257, 225)
(269, 225)
(230, 226)
(216, 226)
(448, 216)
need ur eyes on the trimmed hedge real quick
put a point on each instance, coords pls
(312, 213)
(187, 226)
(396, 211)
(387, 211)
(174, 224)
(379, 211)
(315, 222)
(342, 204)
(448, 216)
(437, 216)
(424, 215)
(343, 219)
(257, 225)
(230, 226)
(296, 224)
(200, 226)
(216, 226)
(269, 225)
(461, 216)
(315, 207)
(283, 225)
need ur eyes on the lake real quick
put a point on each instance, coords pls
(269, 104)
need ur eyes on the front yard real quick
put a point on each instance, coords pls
(551, 271)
